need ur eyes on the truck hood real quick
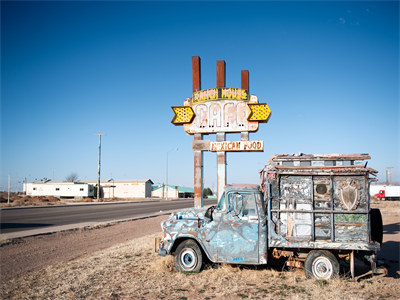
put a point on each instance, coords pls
(191, 213)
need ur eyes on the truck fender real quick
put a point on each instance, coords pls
(183, 237)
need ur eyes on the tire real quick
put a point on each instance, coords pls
(321, 265)
(375, 218)
(188, 257)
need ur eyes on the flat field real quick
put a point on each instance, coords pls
(126, 267)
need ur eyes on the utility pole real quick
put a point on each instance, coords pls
(98, 177)
(389, 171)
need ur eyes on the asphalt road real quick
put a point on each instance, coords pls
(22, 219)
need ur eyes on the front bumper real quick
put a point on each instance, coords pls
(162, 252)
(159, 247)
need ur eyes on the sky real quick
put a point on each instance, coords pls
(329, 72)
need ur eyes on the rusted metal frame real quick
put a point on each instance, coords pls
(332, 209)
(367, 184)
(319, 211)
(269, 212)
(221, 166)
(198, 155)
(312, 212)
(326, 245)
(198, 174)
(322, 172)
(196, 73)
(221, 155)
(221, 74)
(244, 76)
(351, 167)
(244, 136)
(340, 157)
(279, 201)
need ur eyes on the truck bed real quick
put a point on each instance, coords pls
(316, 202)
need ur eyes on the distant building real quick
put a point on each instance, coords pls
(173, 191)
(124, 188)
(59, 189)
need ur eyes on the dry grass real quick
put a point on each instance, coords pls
(23, 200)
(133, 271)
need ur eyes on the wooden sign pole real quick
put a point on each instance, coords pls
(198, 154)
(245, 85)
(221, 155)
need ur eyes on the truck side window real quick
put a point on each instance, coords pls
(249, 205)
(242, 204)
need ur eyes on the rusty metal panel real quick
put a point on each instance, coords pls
(245, 80)
(221, 75)
(201, 145)
(196, 73)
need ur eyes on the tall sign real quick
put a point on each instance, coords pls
(219, 111)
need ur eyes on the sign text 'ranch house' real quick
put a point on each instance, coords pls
(219, 94)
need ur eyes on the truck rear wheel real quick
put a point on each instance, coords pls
(188, 257)
(321, 265)
(376, 225)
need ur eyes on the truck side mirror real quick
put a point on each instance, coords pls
(238, 205)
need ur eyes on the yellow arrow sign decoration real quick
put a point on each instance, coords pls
(259, 112)
(183, 115)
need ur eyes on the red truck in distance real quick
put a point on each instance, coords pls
(390, 192)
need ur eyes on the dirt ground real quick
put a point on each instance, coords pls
(24, 255)
(118, 262)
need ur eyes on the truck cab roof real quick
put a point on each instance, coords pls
(242, 187)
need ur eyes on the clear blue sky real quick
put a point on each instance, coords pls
(329, 71)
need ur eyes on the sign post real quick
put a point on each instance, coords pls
(198, 154)
(219, 111)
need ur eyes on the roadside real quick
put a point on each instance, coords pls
(6, 238)
(24, 255)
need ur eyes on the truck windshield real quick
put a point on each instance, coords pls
(221, 203)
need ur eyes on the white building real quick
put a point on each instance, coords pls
(172, 191)
(58, 189)
(124, 188)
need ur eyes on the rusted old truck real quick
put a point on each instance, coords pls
(310, 210)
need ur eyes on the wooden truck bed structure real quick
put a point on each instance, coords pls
(318, 201)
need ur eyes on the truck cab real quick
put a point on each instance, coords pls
(234, 231)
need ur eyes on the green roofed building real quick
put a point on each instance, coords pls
(171, 192)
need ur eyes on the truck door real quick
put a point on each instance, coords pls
(238, 229)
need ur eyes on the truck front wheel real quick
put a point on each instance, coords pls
(188, 257)
(321, 265)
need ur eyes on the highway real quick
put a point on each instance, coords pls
(29, 218)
